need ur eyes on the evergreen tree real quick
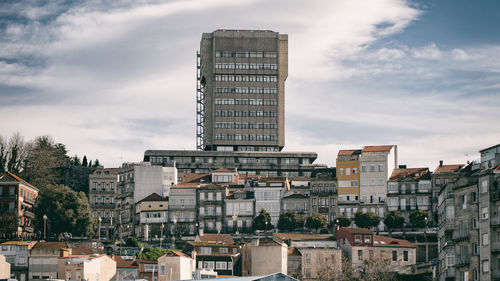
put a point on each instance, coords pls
(290, 221)
(394, 220)
(343, 221)
(96, 163)
(419, 218)
(366, 220)
(84, 161)
(259, 223)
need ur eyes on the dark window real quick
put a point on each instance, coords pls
(394, 255)
(405, 253)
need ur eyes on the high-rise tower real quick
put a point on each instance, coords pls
(241, 90)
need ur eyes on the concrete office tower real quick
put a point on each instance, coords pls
(241, 90)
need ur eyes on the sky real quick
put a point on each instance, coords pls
(111, 79)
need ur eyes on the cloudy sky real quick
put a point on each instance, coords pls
(113, 79)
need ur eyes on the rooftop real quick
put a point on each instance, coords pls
(225, 239)
(382, 241)
(378, 148)
(300, 236)
(153, 197)
(355, 230)
(409, 173)
(50, 245)
(8, 176)
(349, 152)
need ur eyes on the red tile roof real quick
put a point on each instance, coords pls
(390, 242)
(448, 168)
(121, 263)
(300, 237)
(50, 245)
(377, 148)
(13, 177)
(223, 170)
(226, 239)
(355, 230)
(412, 173)
(153, 197)
(348, 152)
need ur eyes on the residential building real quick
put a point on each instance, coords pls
(324, 193)
(151, 215)
(316, 260)
(43, 261)
(375, 166)
(348, 181)
(85, 267)
(409, 190)
(126, 268)
(272, 164)
(294, 267)
(211, 208)
(103, 184)
(466, 236)
(222, 257)
(17, 203)
(175, 266)
(298, 203)
(148, 269)
(17, 255)
(136, 181)
(268, 257)
(4, 269)
(441, 176)
(299, 185)
(182, 209)
(225, 177)
(268, 194)
(490, 157)
(241, 83)
(239, 211)
(359, 245)
(270, 277)
(446, 226)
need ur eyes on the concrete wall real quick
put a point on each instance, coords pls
(176, 268)
(315, 260)
(268, 259)
(4, 268)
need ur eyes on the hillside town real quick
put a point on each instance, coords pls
(241, 208)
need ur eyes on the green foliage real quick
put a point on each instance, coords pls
(419, 218)
(96, 163)
(66, 210)
(132, 242)
(152, 254)
(366, 220)
(85, 161)
(394, 219)
(343, 221)
(259, 223)
(290, 221)
(316, 221)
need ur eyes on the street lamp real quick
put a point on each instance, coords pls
(99, 230)
(44, 227)
(266, 229)
(173, 234)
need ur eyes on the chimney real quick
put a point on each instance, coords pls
(440, 163)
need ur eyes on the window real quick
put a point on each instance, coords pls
(450, 260)
(486, 266)
(380, 168)
(464, 276)
(162, 269)
(205, 250)
(360, 255)
(485, 239)
(368, 239)
(475, 249)
(357, 239)
(223, 250)
(463, 202)
(341, 171)
(221, 265)
(308, 258)
(394, 255)
(484, 213)
(308, 273)
(372, 168)
(94, 187)
(363, 168)
(473, 197)
(208, 264)
(405, 255)
(348, 171)
(484, 186)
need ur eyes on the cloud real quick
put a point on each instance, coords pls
(430, 52)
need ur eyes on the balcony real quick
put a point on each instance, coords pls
(495, 247)
(458, 236)
(448, 273)
(29, 201)
(103, 206)
(495, 275)
(448, 225)
(8, 196)
(495, 221)
(100, 191)
(462, 261)
(29, 214)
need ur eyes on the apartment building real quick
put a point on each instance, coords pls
(211, 208)
(182, 209)
(442, 175)
(408, 190)
(85, 267)
(103, 185)
(151, 215)
(348, 181)
(136, 181)
(324, 192)
(240, 211)
(446, 226)
(223, 258)
(43, 261)
(360, 245)
(375, 166)
(17, 204)
(17, 255)
(268, 194)
(298, 203)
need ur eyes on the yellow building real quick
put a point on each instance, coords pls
(348, 181)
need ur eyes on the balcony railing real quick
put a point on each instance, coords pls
(457, 236)
(495, 247)
(29, 214)
(103, 206)
(100, 191)
(462, 261)
(449, 224)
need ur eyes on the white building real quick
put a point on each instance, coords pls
(375, 166)
(175, 266)
(268, 196)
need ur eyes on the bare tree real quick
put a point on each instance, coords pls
(371, 270)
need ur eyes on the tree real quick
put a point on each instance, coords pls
(259, 223)
(316, 221)
(290, 221)
(76, 161)
(343, 221)
(370, 270)
(96, 163)
(16, 151)
(152, 254)
(419, 218)
(84, 161)
(132, 242)
(394, 219)
(3, 154)
(366, 220)
(66, 210)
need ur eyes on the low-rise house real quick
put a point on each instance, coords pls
(269, 257)
(151, 214)
(126, 268)
(17, 203)
(148, 269)
(43, 262)
(217, 252)
(17, 255)
(85, 267)
(4, 268)
(359, 245)
(175, 266)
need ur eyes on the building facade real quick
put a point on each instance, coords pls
(268, 194)
(17, 255)
(43, 262)
(17, 204)
(324, 193)
(103, 184)
(151, 215)
(183, 209)
(442, 175)
(348, 181)
(241, 86)
(239, 211)
(175, 266)
(211, 208)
